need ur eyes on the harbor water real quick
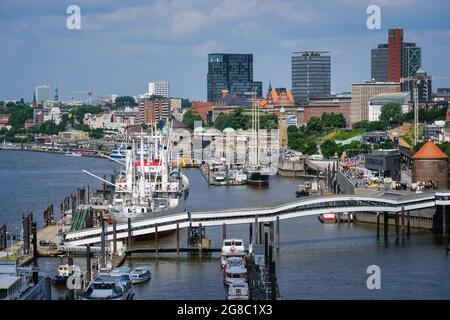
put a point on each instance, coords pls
(315, 261)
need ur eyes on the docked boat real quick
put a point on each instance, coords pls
(238, 291)
(149, 182)
(73, 154)
(140, 274)
(64, 272)
(119, 153)
(327, 217)
(232, 248)
(302, 190)
(19, 283)
(257, 178)
(108, 287)
(235, 270)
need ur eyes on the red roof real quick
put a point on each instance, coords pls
(430, 151)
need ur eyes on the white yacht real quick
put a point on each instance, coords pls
(238, 291)
(140, 274)
(232, 248)
(107, 287)
(235, 270)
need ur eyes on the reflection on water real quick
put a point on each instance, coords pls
(315, 261)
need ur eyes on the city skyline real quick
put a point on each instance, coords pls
(120, 49)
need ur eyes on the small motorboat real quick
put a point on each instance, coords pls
(238, 291)
(65, 270)
(327, 218)
(140, 274)
(235, 270)
(106, 287)
(302, 190)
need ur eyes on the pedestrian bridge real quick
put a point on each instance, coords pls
(300, 207)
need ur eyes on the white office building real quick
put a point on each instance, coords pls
(158, 88)
(377, 102)
(42, 93)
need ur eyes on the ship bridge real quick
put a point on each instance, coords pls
(388, 202)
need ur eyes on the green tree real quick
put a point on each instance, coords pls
(376, 126)
(331, 120)
(309, 148)
(19, 114)
(314, 125)
(125, 101)
(329, 148)
(189, 119)
(391, 115)
(363, 124)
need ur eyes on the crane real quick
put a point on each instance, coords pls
(89, 93)
(417, 80)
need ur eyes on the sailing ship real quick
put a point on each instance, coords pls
(150, 181)
(257, 175)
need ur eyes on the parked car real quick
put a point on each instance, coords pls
(47, 243)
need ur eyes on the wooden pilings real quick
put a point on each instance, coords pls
(103, 242)
(386, 225)
(408, 223)
(178, 238)
(256, 230)
(88, 263)
(114, 237)
(444, 228)
(156, 240)
(129, 234)
(35, 253)
(224, 231)
(278, 232)
(200, 240)
(250, 233)
(397, 227)
(378, 225)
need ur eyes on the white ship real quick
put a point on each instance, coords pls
(150, 181)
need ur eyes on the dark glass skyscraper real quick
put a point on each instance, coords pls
(232, 72)
(379, 63)
(395, 59)
(311, 75)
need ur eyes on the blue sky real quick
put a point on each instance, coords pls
(124, 44)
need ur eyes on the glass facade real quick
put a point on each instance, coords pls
(311, 75)
(233, 72)
(379, 63)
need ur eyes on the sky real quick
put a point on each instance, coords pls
(122, 45)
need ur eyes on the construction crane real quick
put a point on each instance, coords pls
(416, 81)
(89, 93)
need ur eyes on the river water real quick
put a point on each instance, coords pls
(315, 261)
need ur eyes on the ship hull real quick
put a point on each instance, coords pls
(258, 179)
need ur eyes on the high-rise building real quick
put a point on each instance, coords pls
(232, 72)
(379, 63)
(396, 59)
(154, 110)
(361, 94)
(42, 93)
(311, 75)
(395, 44)
(158, 88)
